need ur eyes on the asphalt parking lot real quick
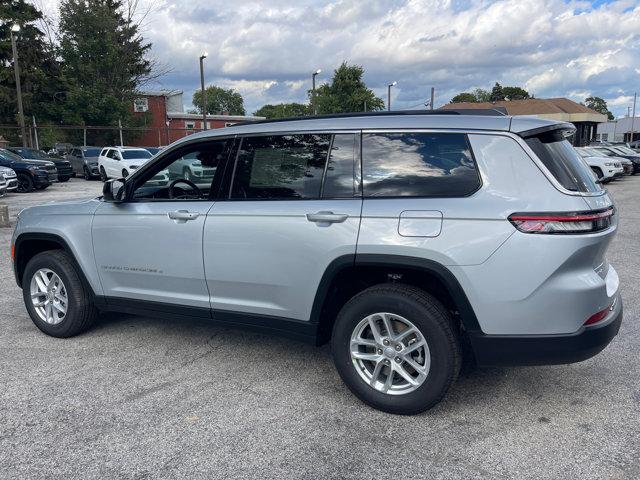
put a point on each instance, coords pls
(150, 398)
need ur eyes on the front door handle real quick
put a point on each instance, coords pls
(182, 216)
(327, 217)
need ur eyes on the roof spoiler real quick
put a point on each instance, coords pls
(566, 129)
(492, 112)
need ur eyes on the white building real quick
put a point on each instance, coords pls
(619, 130)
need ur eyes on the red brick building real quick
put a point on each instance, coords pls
(166, 121)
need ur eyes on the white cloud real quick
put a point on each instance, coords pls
(268, 49)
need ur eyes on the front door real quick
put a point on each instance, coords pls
(149, 248)
(293, 207)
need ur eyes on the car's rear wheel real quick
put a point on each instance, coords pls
(103, 175)
(396, 348)
(57, 300)
(25, 183)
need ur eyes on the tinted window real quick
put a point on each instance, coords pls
(338, 182)
(131, 154)
(418, 165)
(564, 163)
(111, 154)
(280, 166)
(90, 152)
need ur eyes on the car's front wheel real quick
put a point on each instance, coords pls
(87, 175)
(103, 175)
(396, 348)
(57, 300)
(25, 183)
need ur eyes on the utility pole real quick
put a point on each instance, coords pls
(204, 95)
(120, 128)
(15, 28)
(393, 84)
(633, 116)
(313, 90)
(35, 132)
(433, 94)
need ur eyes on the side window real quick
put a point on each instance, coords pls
(418, 165)
(198, 166)
(111, 153)
(339, 177)
(280, 167)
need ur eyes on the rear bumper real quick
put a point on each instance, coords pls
(503, 350)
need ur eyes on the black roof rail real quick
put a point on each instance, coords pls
(491, 112)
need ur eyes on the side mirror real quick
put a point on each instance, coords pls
(113, 191)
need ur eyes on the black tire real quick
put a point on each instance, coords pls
(434, 322)
(25, 183)
(86, 173)
(103, 175)
(81, 312)
(598, 172)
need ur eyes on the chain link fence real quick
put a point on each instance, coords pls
(48, 136)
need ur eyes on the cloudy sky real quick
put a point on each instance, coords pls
(267, 50)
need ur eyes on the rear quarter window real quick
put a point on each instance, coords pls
(418, 165)
(563, 162)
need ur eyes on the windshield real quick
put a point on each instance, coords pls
(589, 152)
(91, 152)
(564, 163)
(7, 155)
(624, 150)
(605, 151)
(132, 154)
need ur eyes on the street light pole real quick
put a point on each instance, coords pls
(389, 94)
(313, 90)
(204, 95)
(633, 117)
(15, 28)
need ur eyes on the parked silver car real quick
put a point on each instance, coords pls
(397, 237)
(84, 161)
(10, 177)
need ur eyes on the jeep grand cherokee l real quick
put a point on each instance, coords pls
(397, 237)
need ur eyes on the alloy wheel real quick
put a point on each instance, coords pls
(390, 353)
(49, 296)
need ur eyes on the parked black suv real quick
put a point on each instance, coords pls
(65, 172)
(32, 174)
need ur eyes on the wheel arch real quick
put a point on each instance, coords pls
(27, 245)
(350, 274)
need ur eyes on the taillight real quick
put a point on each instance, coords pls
(567, 223)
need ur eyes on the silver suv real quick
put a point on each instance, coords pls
(406, 240)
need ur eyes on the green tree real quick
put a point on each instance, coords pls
(515, 93)
(464, 97)
(104, 60)
(346, 92)
(599, 105)
(497, 93)
(283, 110)
(482, 95)
(219, 101)
(39, 69)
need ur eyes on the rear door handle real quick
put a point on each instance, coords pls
(327, 217)
(182, 216)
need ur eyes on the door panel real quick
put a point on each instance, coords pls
(267, 257)
(143, 254)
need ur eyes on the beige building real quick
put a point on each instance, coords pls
(585, 119)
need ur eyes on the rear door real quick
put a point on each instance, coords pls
(291, 208)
